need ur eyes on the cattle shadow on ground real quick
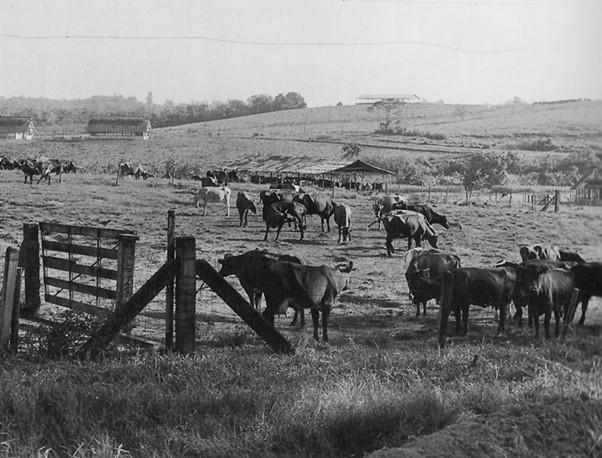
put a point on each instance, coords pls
(349, 298)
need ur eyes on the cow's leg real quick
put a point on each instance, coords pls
(316, 320)
(424, 307)
(501, 326)
(301, 229)
(556, 322)
(417, 308)
(535, 320)
(340, 235)
(325, 315)
(546, 322)
(389, 246)
(584, 303)
(241, 216)
(205, 209)
(278, 230)
(267, 229)
(465, 309)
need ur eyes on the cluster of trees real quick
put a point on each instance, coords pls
(66, 113)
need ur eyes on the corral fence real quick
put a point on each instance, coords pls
(91, 270)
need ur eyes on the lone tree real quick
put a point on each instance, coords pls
(387, 109)
(350, 151)
(484, 170)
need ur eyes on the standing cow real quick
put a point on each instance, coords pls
(342, 218)
(318, 204)
(213, 195)
(282, 212)
(244, 204)
(412, 225)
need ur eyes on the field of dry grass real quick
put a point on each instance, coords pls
(380, 382)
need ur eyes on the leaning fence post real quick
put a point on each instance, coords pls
(9, 301)
(125, 268)
(185, 293)
(29, 259)
(444, 308)
(169, 292)
(570, 313)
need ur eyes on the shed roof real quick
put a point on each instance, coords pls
(14, 124)
(121, 124)
(360, 166)
(306, 165)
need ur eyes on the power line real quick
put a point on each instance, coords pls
(283, 43)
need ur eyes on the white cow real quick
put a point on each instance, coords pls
(213, 195)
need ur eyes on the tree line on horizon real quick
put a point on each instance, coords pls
(64, 113)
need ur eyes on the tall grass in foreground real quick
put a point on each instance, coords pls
(245, 402)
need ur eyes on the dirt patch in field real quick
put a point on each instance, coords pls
(561, 427)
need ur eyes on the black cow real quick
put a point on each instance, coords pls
(251, 268)
(342, 218)
(244, 204)
(528, 252)
(313, 287)
(411, 225)
(431, 215)
(281, 212)
(547, 291)
(570, 256)
(425, 272)
(476, 286)
(37, 167)
(588, 279)
(318, 204)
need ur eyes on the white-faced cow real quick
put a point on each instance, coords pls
(342, 218)
(244, 204)
(213, 195)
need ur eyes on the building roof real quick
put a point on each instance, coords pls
(305, 165)
(362, 167)
(14, 124)
(117, 125)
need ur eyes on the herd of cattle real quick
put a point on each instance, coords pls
(543, 282)
(41, 166)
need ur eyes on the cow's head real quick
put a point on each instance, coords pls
(443, 221)
(527, 253)
(433, 240)
(230, 265)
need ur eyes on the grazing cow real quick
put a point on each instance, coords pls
(431, 215)
(69, 167)
(424, 274)
(342, 218)
(141, 173)
(244, 204)
(412, 225)
(125, 168)
(313, 287)
(588, 279)
(483, 287)
(318, 204)
(546, 290)
(37, 167)
(213, 195)
(281, 212)
(251, 268)
(8, 164)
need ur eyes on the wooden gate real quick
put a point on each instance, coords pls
(87, 269)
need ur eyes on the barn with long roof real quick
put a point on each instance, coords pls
(119, 126)
(16, 127)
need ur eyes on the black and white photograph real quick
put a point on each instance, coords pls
(300, 228)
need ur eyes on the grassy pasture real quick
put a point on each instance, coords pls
(381, 381)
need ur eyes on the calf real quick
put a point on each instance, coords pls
(476, 286)
(279, 213)
(424, 275)
(411, 225)
(431, 215)
(244, 205)
(213, 195)
(313, 287)
(342, 218)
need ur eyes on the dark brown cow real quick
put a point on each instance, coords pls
(244, 204)
(431, 215)
(411, 225)
(313, 287)
(588, 279)
(425, 272)
(342, 218)
(279, 213)
(318, 204)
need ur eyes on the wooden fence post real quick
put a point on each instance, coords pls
(570, 313)
(444, 308)
(9, 302)
(125, 268)
(169, 292)
(185, 294)
(29, 259)
(556, 200)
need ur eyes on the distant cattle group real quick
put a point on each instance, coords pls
(40, 167)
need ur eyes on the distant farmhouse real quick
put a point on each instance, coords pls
(589, 189)
(118, 127)
(16, 127)
(369, 99)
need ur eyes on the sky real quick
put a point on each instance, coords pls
(329, 51)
